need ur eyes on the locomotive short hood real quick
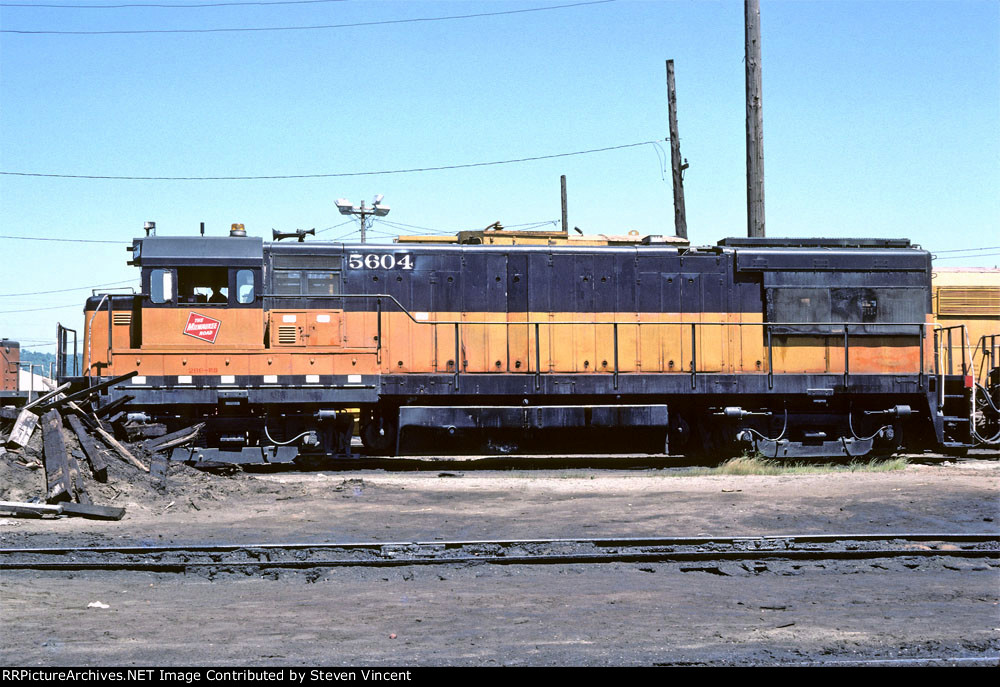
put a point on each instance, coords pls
(203, 251)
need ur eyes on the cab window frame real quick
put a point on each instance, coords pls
(156, 279)
(228, 281)
(237, 295)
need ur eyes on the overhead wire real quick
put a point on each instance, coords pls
(402, 225)
(413, 226)
(384, 22)
(958, 257)
(410, 229)
(152, 5)
(966, 250)
(411, 170)
(120, 243)
(75, 288)
(344, 236)
(539, 223)
(52, 307)
(661, 159)
(320, 231)
(43, 238)
(534, 225)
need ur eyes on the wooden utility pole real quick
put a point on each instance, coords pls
(676, 166)
(755, 122)
(565, 215)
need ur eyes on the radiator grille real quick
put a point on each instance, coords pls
(969, 300)
(122, 318)
(288, 334)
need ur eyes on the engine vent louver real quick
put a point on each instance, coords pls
(288, 334)
(969, 300)
(121, 318)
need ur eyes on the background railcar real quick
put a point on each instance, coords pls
(10, 365)
(968, 299)
(789, 347)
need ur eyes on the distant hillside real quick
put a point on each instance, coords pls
(45, 360)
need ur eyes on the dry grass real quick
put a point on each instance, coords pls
(749, 464)
(758, 465)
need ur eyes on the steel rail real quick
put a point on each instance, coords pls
(598, 541)
(915, 662)
(177, 558)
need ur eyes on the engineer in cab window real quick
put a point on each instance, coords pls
(218, 296)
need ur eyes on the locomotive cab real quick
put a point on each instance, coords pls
(202, 293)
(198, 294)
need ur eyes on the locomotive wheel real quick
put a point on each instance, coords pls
(378, 433)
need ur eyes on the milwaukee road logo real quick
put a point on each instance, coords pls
(202, 327)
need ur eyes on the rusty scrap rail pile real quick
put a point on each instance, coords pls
(223, 557)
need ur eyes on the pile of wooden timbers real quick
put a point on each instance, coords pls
(95, 429)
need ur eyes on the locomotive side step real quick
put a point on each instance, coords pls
(956, 444)
(258, 455)
(783, 448)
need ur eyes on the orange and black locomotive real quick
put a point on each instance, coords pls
(789, 347)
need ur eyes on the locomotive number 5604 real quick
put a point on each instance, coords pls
(373, 261)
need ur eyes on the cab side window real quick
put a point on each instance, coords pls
(312, 282)
(244, 286)
(161, 286)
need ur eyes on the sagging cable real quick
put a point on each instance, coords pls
(283, 443)
(780, 436)
(850, 426)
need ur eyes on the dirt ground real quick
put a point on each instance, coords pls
(608, 614)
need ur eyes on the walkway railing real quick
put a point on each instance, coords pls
(915, 330)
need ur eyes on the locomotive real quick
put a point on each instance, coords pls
(10, 364)
(787, 347)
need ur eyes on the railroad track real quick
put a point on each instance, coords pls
(182, 558)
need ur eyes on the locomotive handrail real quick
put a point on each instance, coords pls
(62, 343)
(31, 376)
(920, 333)
(378, 331)
(989, 344)
(946, 342)
(409, 315)
(967, 363)
(90, 334)
(847, 356)
(113, 291)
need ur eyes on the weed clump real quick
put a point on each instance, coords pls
(756, 464)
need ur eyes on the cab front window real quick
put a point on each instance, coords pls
(203, 285)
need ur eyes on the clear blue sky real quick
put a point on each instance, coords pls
(880, 119)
